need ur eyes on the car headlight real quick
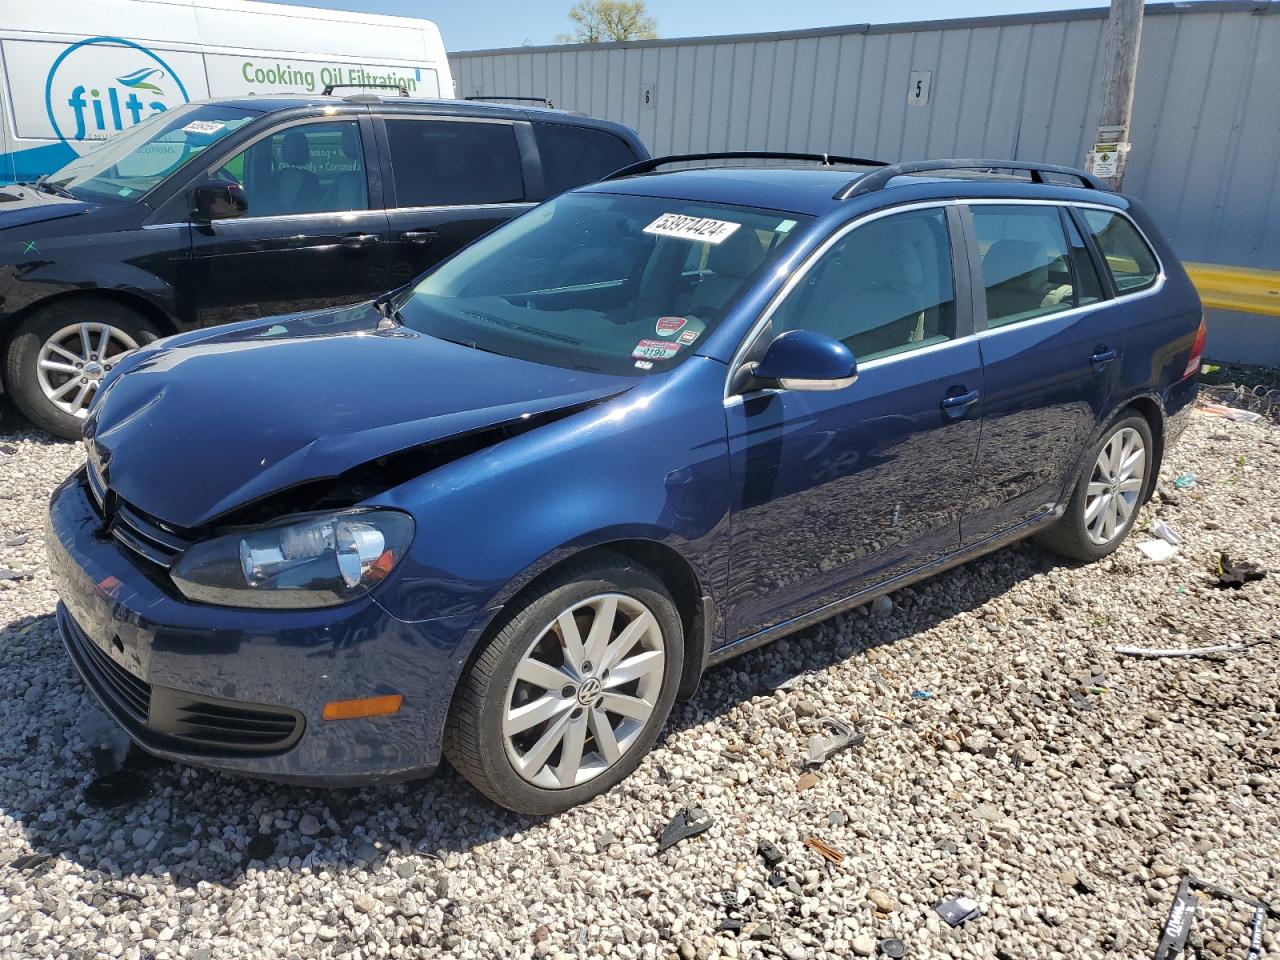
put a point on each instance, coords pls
(315, 561)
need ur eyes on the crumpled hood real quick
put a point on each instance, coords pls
(21, 206)
(202, 424)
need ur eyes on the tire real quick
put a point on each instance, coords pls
(1076, 533)
(57, 326)
(488, 754)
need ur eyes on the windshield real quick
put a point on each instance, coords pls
(128, 165)
(602, 282)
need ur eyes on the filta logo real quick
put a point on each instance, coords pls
(103, 85)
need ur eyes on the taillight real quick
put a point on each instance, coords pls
(1197, 351)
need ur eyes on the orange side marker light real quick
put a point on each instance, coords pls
(364, 707)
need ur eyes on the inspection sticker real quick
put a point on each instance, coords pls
(203, 126)
(692, 228)
(688, 337)
(669, 325)
(655, 350)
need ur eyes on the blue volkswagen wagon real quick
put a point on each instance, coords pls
(507, 514)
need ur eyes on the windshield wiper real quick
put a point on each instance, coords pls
(48, 186)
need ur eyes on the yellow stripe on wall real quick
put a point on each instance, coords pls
(1237, 288)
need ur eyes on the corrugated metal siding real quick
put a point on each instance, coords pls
(1206, 138)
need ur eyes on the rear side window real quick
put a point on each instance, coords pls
(572, 156)
(1026, 270)
(440, 163)
(1132, 264)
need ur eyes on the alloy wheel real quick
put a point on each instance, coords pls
(73, 362)
(583, 691)
(1115, 485)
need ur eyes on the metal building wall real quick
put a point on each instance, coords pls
(1206, 140)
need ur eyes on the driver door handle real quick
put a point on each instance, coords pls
(357, 240)
(419, 237)
(955, 406)
(1102, 359)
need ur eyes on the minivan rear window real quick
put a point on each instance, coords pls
(1132, 264)
(572, 155)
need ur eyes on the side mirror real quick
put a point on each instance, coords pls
(804, 360)
(219, 200)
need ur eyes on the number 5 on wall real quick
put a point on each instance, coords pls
(918, 89)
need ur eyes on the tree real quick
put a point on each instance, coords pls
(602, 21)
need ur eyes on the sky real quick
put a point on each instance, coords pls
(481, 24)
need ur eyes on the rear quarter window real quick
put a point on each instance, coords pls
(1130, 260)
(572, 156)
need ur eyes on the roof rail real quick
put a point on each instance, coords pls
(542, 100)
(878, 179)
(827, 159)
(330, 87)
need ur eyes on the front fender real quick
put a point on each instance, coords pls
(650, 465)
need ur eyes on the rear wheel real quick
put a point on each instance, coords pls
(572, 691)
(61, 354)
(1112, 486)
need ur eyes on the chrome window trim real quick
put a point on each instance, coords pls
(385, 115)
(465, 206)
(807, 264)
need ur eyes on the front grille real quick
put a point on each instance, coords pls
(150, 539)
(129, 694)
(177, 720)
(147, 538)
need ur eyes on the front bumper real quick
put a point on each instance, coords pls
(244, 690)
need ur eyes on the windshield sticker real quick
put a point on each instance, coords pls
(655, 350)
(687, 337)
(692, 228)
(669, 325)
(203, 126)
(644, 364)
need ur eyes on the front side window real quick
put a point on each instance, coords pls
(447, 163)
(572, 156)
(884, 288)
(308, 168)
(602, 282)
(123, 168)
(1026, 269)
(1132, 264)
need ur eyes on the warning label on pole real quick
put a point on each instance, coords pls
(1106, 159)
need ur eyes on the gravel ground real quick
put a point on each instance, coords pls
(1010, 757)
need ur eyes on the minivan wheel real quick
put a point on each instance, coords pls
(572, 691)
(62, 352)
(1112, 486)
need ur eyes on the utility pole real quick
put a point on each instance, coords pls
(1110, 151)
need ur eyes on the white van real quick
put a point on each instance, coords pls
(73, 72)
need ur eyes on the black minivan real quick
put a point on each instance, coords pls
(240, 208)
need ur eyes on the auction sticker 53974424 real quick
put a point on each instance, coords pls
(701, 229)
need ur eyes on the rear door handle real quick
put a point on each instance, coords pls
(956, 405)
(420, 237)
(357, 240)
(1102, 359)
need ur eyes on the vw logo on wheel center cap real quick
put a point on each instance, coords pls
(590, 692)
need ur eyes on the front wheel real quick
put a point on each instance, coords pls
(572, 691)
(61, 354)
(1112, 486)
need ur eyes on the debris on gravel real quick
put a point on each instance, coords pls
(1011, 757)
